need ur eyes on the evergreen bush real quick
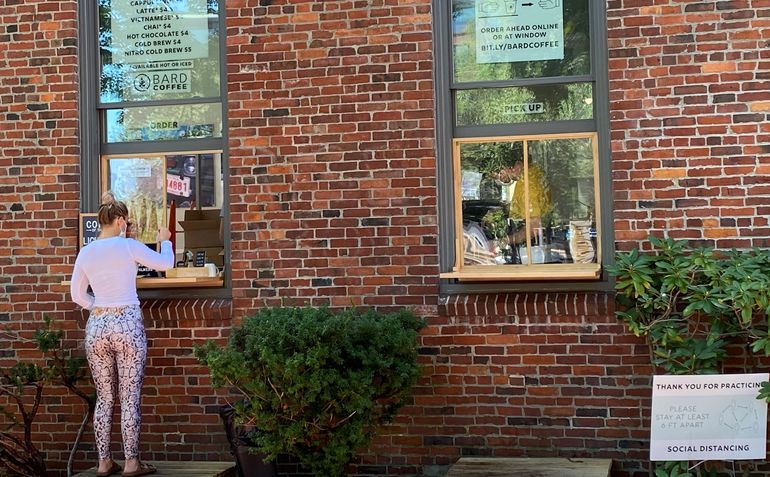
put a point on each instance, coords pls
(316, 384)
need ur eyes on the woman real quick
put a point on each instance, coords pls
(115, 332)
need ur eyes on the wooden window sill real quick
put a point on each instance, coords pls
(545, 272)
(193, 282)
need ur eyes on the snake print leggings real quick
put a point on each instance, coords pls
(115, 336)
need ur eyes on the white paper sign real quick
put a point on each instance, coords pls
(178, 185)
(519, 30)
(158, 30)
(708, 417)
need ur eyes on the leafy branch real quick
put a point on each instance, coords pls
(20, 455)
(690, 305)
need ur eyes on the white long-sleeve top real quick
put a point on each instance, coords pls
(109, 265)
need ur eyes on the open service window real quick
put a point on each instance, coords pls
(152, 80)
(523, 143)
(527, 207)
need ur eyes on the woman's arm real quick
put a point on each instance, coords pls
(79, 288)
(143, 255)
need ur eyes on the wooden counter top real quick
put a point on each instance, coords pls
(193, 282)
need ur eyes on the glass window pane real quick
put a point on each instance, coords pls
(139, 182)
(514, 39)
(489, 232)
(556, 102)
(562, 200)
(159, 123)
(158, 49)
(554, 191)
(194, 180)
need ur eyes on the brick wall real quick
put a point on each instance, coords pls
(331, 150)
(689, 105)
(524, 375)
(39, 161)
(39, 173)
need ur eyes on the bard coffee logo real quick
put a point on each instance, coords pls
(142, 82)
(160, 82)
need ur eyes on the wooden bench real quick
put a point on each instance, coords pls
(186, 469)
(530, 467)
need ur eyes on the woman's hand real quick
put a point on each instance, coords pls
(163, 234)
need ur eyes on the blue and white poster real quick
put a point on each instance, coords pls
(509, 31)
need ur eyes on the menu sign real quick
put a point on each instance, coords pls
(89, 228)
(145, 31)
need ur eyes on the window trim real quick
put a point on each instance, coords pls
(446, 134)
(93, 146)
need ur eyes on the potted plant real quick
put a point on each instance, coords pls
(316, 384)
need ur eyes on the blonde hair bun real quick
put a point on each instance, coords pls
(111, 209)
(108, 198)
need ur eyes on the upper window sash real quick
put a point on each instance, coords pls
(158, 50)
(499, 40)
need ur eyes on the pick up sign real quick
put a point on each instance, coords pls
(708, 417)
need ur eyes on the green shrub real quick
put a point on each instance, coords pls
(690, 305)
(316, 383)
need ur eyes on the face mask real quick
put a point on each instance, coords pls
(123, 229)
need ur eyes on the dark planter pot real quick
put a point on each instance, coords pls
(247, 464)
(252, 465)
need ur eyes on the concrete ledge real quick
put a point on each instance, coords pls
(529, 467)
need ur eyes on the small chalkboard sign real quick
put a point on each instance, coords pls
(89, 228)
(200, 258)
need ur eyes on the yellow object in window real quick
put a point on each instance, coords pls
(540, 201)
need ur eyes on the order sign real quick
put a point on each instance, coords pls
(708, 417)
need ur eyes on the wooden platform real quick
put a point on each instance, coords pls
(186, 469)
(529, 467)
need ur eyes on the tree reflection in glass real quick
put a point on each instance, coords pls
(186, 62)
(558, 200)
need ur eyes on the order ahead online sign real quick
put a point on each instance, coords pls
(708, 417)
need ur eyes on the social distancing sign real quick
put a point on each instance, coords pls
(708, 417)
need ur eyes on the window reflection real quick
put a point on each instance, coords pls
(158, 49)
(524, 104)
(519, 210)
(576, 46)
(163, 123)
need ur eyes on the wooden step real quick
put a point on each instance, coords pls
(186, 469)
(529, 467)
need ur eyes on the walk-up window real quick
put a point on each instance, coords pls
(522, 141)
(153, 116)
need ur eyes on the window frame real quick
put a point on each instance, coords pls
(94, 147)
(447, 133)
